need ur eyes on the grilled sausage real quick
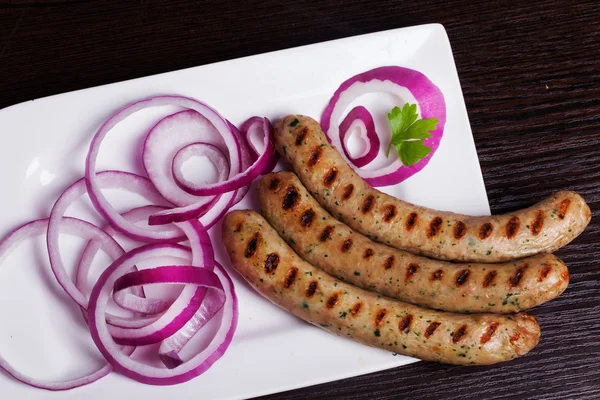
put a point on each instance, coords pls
(542, 228)
(338, 250)
(280, 275)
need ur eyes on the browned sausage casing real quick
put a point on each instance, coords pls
(332, 246)
(542, 228)
(280, 275)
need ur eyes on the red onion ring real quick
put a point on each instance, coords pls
(248, 175)
(208, 291)
(72, 226)
(247, 161)
(213, 153)
(163, 142)
(360, 118)
(135, 369)
(170, 347)
(216, 210)
(136, 184)
(168, 137)
(87, 231)
(387, 79)
(211, 304)
(247, 129)
(135, 301)
(209, 213)
(128, 331)
(187, 274)
(168, 322)
(198, 123)
(105, 179)
(186, 305)
(199, 241)
(101, 203)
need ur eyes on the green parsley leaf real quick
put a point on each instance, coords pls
(411, 152)
(403, 118)
(420, 129)
(409, 133)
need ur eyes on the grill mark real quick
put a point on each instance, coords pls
(239, 227)
(411, 221)
(291, 198)
(368, 204)
(514, 337)
(380, 316)
(544, 273)
(315, 156)
(301, 136)
(332, 300)
(565, 275)
(389, 262)
(462, 277)
(252, 245)
(490, 331)
(326, 234)
(330, 176)
(537, 223)
(271, 263)
(346, 245)
(348, 191)
(290, 277)
(437, 275)
(411, 270)
(431, 329)
(368, 254)
(434, 227)
(307, 218)
(489, 278)
(485, 231)
(356, 308)
(458, 334)
(518, 275)
(274, 184)
(389, 212)
(404, 324)
(311, 289)
(512, 227)
(460, 229)
(563, 207)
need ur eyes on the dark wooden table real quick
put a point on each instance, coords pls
(530, 72)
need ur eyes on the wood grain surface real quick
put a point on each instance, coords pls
(530, 72)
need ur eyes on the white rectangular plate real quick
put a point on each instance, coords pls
(44, 143)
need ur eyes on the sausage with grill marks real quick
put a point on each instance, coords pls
(542, 228)
(334, 247)
(279, 274)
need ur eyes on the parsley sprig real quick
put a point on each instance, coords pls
(409, 134)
